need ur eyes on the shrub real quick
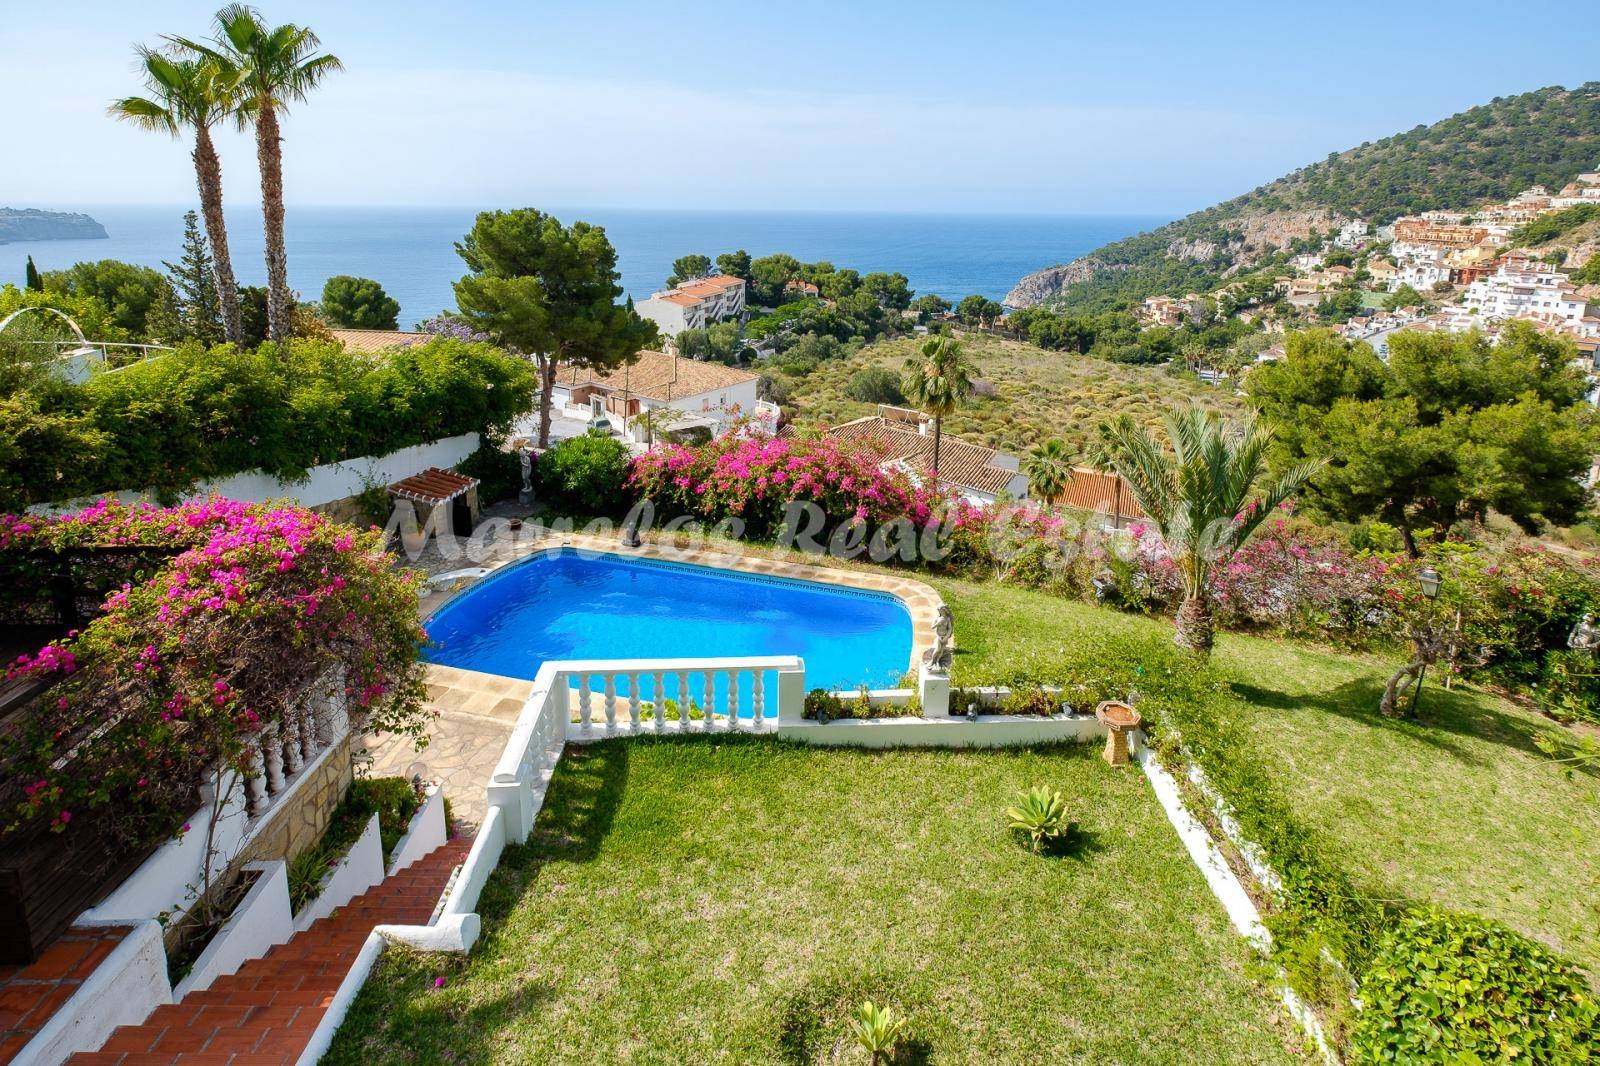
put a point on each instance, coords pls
(875, 384)
(1041, 813)
(198, 414)
(1459, 988)
(1029, 699)
(498, 471)
(587, 472)
(179, 673)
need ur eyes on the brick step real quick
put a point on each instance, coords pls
(267, 1011)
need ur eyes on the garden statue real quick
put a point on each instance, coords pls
(525, 460)
(1585, 636)
(944, 628)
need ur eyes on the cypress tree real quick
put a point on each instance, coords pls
(34, 281)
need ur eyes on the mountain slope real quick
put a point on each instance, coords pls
(31, 224)
(1486, 153)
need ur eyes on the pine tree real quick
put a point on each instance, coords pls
(199, 310)
(34, 281)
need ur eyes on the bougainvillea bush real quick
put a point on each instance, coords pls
(754, 479)
(180, 672)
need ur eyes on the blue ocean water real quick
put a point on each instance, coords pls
(411, 251)
(565, 606)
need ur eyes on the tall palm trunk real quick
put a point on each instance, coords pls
(208, 174)
(269, 155)
(938, 433)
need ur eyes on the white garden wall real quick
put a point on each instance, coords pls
(359, 869)
(260, 922)
(323, 484)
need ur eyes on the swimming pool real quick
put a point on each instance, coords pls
(568, 605)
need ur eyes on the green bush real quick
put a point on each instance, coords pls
(875, 384)
(498, 471)
(586, 472)
(196, 414)
(1458, 988)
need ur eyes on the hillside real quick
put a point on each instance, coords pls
(31, 224)
(1488, 152)
(1037, 394)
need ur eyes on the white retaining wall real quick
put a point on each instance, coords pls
(360, 869)
(124, 989)
(260, 922)
(427, 832)
(323, 484)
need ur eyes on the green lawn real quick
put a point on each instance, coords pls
(731, 900)
(1459, 808)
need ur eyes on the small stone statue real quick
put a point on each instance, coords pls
(944, 628)
(1585, 636)
(525, 460)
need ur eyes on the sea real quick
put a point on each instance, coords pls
(411, 250)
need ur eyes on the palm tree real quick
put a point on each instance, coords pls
(1198, 493)
(275, 66)
(193, 93)
(1049, 469)
(938, 380)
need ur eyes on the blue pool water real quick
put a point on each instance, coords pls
(563, 605)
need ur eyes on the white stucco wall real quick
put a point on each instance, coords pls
(323, 484)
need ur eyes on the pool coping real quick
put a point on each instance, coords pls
(921, 602)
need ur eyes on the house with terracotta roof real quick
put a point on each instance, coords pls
(902, 439)
(377, 340)
(695, 304)
(703, 393)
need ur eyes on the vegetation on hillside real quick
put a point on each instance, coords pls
(1484, 153)
(1023, 395)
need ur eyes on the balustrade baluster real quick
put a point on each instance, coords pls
(584, 714)
(707, 691)
(755, 700)
(683, 701)
(733, 701)
(272, 745)
(660, 695)
(611, 702)
(291, 745)
(255, 787)
(633, 700)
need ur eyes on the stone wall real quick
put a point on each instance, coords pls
(297, 821)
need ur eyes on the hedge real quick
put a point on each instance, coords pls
(197, 414)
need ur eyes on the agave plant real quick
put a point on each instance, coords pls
(878, 1030)
(1041, 812)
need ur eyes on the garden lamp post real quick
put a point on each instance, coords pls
(1428, 579)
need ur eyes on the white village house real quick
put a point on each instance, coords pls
(701, 393)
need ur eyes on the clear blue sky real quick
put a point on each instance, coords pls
(1031, 107)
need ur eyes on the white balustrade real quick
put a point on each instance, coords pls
(275, 756)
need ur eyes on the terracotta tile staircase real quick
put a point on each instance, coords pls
(267, 1011)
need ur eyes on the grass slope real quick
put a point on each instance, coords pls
(1459, 808)
(715, 900)
(1039, 394)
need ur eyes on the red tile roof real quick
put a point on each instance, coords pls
(963, 464)
(433, 485)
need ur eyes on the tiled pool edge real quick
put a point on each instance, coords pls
(921, 602)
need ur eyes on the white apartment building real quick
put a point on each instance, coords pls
(694, 304)
(1526, 287)
(1585, 189)
(1352, 235)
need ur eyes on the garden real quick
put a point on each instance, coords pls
(679, 902)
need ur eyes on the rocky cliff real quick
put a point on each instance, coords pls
(30, 224)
